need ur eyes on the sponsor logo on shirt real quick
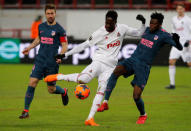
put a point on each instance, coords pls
(117, 43)
(147, 43)
(46, 40)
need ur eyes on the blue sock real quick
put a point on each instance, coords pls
(29, 97)
(110, 85)
(59, 90)
(140, 106)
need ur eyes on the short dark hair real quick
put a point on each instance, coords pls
(158, 16)
(113, 14)
(50, 6)
(180, 4)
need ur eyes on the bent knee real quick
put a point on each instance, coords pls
(51, 89)
(84, 78)
(119, 70)
(172, 62)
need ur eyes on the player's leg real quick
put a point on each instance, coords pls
(189, 65)
(174, 55)
(56, 89)
(29, 97)
(102, 80)
(33, 81)
(118, 71)
(142, 72)
(172, 72)
(84, 77)
(140, 104)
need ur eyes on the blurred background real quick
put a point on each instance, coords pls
(80, 18)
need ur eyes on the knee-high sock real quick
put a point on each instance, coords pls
(172, 72)
(96, 103)
(29, 97)
(69, 77)
(110, 86)
(59, 90)
(140, 106)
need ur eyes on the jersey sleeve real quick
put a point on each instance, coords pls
(189, 28)
(168, 39)
(63, 37)
(133, 31)
(94, 38)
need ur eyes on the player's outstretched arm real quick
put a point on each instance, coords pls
(78, 48)
(31, 46)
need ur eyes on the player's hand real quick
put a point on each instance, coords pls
(186, 44)
(26, 51)
(176, 38)
(59, 58)
(58, 61)
(141, 18)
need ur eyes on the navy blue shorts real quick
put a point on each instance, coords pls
(140, 70)
(39, 71)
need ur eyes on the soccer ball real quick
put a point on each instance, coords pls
(82, 91)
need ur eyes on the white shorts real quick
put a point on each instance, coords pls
(101, 71)
(185, 54)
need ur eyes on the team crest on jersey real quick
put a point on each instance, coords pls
(156, 37)
(53, 33)
(106, 37)
(118, 34)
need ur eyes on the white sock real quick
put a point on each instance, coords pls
(69, 77)
(172, 72)
(105, 101)
(96, 103)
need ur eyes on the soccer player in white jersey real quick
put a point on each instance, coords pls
(108, 40)
(181, 24)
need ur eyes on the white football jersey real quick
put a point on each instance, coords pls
(182, 26)
(109, 44)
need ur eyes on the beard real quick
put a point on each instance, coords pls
(51, 20)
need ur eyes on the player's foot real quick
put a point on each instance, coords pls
(24, 115)
(104, 106)
(65, 98)
(91, 122)
(170, 87)
(142, 119)
(51, 78)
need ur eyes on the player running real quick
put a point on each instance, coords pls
(181, 24)
(108, 40)
(139, 63)
(51, 35)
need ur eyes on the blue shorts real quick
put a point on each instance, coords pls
(39, 71)
(140, 70)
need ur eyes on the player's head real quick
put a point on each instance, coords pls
(156, 21)
(110, 20)
(50, 13)
(180, 9)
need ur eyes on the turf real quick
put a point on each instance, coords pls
(166, 109)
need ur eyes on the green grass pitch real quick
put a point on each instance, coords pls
(166, 109)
